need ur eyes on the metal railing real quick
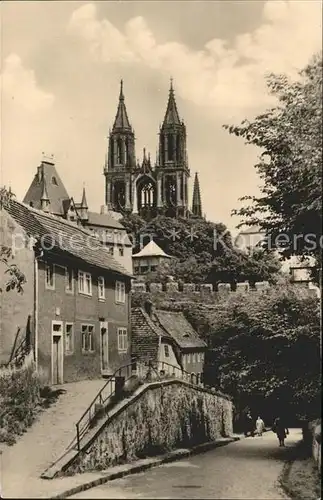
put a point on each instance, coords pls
(166, 369)
(101, 400)
(162, 369)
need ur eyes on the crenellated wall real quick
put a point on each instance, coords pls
(201, 292)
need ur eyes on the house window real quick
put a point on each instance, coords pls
(69, 282)
(87, 338)
(101, 288)
(85, 283)
(54, 181)
(153, 268)
(50, 278)
(111, 250)
(122, 339)
(120, 292)
(121, 252)
(69, 338)
(166, 351)
(143, 269)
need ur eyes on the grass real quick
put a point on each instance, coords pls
(22, 397)
(301, 479)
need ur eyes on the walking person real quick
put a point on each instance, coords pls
(249, 425)
(260, 426)
(281, 430)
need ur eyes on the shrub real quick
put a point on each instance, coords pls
(22, 397)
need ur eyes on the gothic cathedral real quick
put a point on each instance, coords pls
(145, 189)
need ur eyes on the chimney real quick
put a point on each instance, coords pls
(149, 308)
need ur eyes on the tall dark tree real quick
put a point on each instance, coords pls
(265, 351)
(290, 165)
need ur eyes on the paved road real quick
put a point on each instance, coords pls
(247, 469)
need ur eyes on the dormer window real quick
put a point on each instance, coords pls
(54, 181)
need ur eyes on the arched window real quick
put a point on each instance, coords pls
(170, 147)
(178, 148)
(147, 195)
(170, 190)
(126, 152)
(119, 194)
(119, 151)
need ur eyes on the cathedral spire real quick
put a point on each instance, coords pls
(121, 121)
(171, 115)
(197, 204)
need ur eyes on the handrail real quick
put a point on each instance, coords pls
(181, 370)
(80, 431)
(99, 399)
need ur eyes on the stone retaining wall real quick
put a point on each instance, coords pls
(160, 417)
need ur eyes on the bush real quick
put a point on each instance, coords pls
(21, 399)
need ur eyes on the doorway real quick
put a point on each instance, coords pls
(104, 345)
(57, 353)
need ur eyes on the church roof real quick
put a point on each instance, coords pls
(121, 120)
(151, 250)
(171, 115)
(47, 182)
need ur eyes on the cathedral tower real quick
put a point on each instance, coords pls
(141, 187)
(120, 161)
(172, 169)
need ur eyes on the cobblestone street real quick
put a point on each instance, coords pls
(247, 469)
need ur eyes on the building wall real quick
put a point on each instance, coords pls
(148, 262)
(116, 242)
(14, 307)
(78, 309)
(162, 355)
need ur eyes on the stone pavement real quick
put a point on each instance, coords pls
(23, 463)
(246, 469)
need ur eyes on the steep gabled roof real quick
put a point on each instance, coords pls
(47, 178)
(151, 250)
(121, 121)
(171, 115)
(177, 326)
(64, 237)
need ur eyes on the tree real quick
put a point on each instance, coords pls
(290, 164)
(202, 251)
(16, 278)
(265, 351)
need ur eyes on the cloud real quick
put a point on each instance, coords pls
(228, 78)
(19, 86)
(27, 115)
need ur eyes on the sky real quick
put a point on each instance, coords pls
(61, 64)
